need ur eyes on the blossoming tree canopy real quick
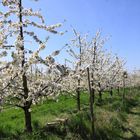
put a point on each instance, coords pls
(106, 69)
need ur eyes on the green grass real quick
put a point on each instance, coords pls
(113, 120)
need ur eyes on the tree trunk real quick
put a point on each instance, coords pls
(111, 91)
(91, 91)
(100, 92)
(28, 126)
(118, 90)
(78, 99)
(123, 96)
(100, 95)
(93, 94)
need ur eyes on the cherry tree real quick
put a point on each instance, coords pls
(19, 87)
(105, 68)
(75, 80)
(109, 74)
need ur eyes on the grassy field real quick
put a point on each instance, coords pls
(113, 120)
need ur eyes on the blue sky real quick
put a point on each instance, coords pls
(118, 18)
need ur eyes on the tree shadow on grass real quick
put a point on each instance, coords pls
(134, 135)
